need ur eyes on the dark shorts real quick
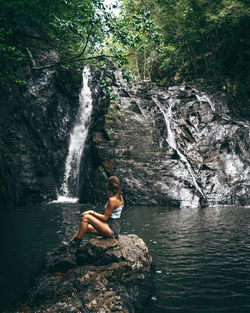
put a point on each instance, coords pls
(115, 226)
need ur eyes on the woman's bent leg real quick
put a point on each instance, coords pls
(91, 230)
(101, 228)
(89, 224)
(75, 235)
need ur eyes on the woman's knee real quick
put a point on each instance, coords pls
(86, 217)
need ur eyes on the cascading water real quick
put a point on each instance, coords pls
(205, 98)
(78, 136)
(171, 139)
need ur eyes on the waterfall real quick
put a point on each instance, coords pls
(172, 142)
(78, 136)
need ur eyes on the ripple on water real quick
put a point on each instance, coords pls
(202, 258)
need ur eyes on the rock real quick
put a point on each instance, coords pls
(194, 155)
(104, 275)
(34, 127)
(128, 137)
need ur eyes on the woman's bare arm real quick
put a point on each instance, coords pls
(111, 205)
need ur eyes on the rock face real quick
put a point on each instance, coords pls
(34, 126)
(170, 146)
(105, 275)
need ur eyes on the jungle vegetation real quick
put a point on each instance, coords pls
(167, 41)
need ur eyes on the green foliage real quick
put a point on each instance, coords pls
(114, 141)
(161, 40)
(113, 109)
(131, 34)
(109, 116)
(72, 27)
(78, 22)
(200, 39)
(112, 112)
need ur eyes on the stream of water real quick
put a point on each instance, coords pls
(77, 140)
(167, 113)
(202, 256)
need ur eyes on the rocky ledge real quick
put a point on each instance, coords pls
(104, 275)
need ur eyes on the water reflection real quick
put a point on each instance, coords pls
(26, 234)
(202, 257)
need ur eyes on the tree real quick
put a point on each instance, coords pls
(75, 28)
(201, 39)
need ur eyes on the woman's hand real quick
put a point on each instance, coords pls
(91, 212)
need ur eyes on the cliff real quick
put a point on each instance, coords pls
(171, 146)
(35, 120)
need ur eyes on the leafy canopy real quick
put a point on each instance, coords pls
(167, 40)
(201, 39)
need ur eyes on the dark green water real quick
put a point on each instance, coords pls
(202, 257)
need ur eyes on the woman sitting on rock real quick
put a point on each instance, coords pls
(107, 224)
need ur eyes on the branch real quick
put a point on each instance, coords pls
(31, 57)
(87, 40)
(103, 56)
(74, 58)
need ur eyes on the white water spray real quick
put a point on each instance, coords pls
(77, 142)
(171, 139)
(205, 98)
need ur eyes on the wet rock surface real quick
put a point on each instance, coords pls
(104, 275)
(171, 146)
(35, 120)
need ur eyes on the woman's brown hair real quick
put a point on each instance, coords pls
(113, 187)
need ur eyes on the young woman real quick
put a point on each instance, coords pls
(107, 224)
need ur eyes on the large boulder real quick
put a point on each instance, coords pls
(104, 275)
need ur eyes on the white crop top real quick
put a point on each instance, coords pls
(117, 212)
